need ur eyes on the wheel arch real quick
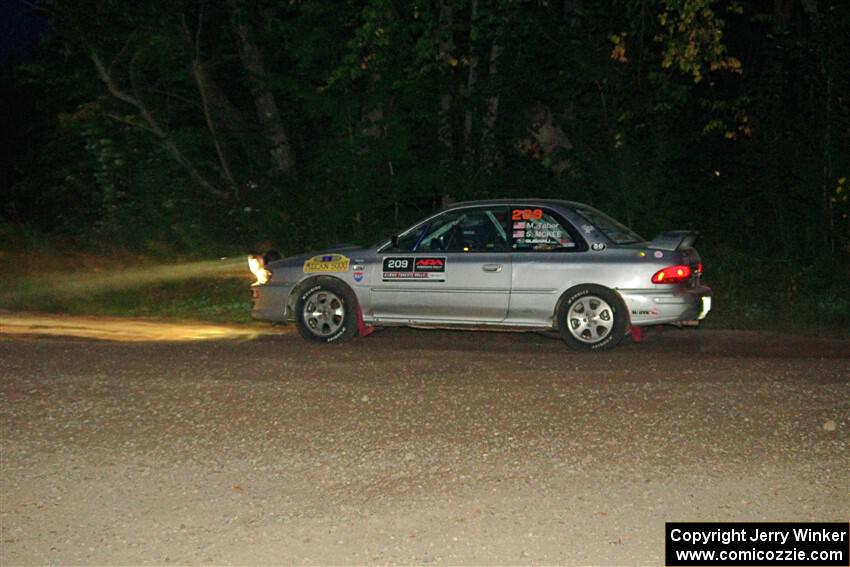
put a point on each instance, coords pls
(306, 284)
(569, 291)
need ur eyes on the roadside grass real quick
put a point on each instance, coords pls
(215, 290)
(218, 300)
(824, 316)
(814, 300)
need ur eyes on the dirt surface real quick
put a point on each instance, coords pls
(411, 446)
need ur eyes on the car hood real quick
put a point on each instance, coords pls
(299, 259)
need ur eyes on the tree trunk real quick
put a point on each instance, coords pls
(572, 12)
(810, 7)
(268, 113)
(444, 132)
(206, 88)
(488, 141)
(771, 77)
(152, 125)
(770, 87)
(202, 81)
(471, 80)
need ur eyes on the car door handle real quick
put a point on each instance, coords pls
(492, 267)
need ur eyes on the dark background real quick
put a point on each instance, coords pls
(199, 128)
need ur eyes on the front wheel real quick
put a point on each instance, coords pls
(326, 312)
(592, 318)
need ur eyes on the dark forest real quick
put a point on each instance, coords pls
(198, 129)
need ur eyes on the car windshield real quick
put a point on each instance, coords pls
(616, 232)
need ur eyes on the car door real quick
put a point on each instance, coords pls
(455, 267)
(549, 257)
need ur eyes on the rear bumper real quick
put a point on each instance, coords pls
(656, 307)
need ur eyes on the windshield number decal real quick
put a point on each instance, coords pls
(526, 214)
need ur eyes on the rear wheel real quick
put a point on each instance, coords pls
(326, 312)
(592, 318)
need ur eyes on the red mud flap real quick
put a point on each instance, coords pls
(637, 334)
(363, 329)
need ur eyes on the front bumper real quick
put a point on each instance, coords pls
(269, 302)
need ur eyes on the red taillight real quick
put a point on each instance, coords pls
(672, 274)
(699, 268)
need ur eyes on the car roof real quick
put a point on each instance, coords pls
(528, 200)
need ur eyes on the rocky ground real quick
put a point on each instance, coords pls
(426, 447)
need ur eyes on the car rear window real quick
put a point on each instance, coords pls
(539, 231)
(616, 232)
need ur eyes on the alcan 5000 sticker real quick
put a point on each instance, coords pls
(326, 263)
(430, 269)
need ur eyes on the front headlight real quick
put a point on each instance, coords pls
(258, 267)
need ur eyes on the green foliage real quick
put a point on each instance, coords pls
(692, 35)
(215, 300)
(754, 292)
(718, 115)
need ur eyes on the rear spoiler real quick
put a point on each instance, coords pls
(674, 240)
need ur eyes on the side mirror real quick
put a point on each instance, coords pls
(395, 241)
(271, 256)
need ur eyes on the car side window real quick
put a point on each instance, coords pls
(481, 229)
(538, 230)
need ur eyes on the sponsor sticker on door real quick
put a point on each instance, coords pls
(399, 268)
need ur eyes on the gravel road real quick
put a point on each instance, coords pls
(411, 446)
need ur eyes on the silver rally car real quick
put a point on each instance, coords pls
(530, 264)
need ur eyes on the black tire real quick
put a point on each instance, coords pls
(326, 311)
(592, 318)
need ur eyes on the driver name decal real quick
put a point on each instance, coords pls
(428, 269)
